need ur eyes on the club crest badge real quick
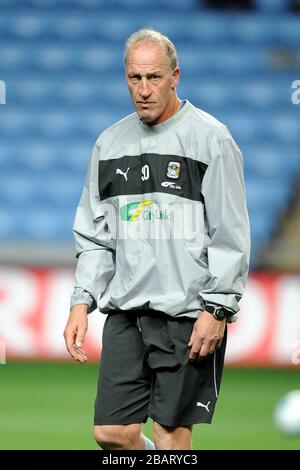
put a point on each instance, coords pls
(173, 170)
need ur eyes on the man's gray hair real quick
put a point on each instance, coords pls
(151, 35)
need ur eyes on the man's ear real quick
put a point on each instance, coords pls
(175, 77)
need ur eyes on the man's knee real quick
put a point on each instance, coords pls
(172, 438)
(119, 437)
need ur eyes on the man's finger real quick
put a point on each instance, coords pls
(80, 337)
(195, 348)
(69, 336)
(193, 355)
(80, 354)
(191, 339)
(205, 350)
(75, 352)
(212, 348)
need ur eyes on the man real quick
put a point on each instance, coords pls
(162, 241)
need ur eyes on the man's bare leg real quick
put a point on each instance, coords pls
(172, 438)
(121, 437)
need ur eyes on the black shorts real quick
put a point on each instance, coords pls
(145, 371)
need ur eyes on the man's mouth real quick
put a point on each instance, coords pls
(145, 103)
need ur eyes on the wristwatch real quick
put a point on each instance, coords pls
(218, 311)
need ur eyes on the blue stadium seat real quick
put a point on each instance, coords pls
(272, 5)
(272, 161)
(267, 195)
(48, 225)
(92, 5)
(9, 228)
(62, 190)
(262, 228)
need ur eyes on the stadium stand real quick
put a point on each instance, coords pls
(61, 62)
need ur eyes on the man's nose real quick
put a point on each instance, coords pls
(145, 89)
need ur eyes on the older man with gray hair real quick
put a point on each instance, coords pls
(162, 239)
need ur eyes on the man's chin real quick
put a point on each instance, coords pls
(147, 119)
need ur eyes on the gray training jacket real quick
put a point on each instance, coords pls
(162, 222)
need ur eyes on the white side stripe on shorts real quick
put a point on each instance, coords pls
(215, 375)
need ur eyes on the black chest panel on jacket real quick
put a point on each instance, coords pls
(149, 173)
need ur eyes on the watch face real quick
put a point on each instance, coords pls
(217, 311)
(220, 313)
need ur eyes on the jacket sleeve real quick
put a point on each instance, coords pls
(228, 233)
(94, 242)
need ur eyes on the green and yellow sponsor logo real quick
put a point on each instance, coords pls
(142, 210)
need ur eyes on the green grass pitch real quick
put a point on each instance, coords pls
(50, 406)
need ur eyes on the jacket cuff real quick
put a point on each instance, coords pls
(81, 296)
(228, 301)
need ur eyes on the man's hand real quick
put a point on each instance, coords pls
(75, 331)
(206, 336)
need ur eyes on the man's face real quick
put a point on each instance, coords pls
(151, 82)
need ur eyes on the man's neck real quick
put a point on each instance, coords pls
(169, 112)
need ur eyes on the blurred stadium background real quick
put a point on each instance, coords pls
(61, 63)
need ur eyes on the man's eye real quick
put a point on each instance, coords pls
(154, 77)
